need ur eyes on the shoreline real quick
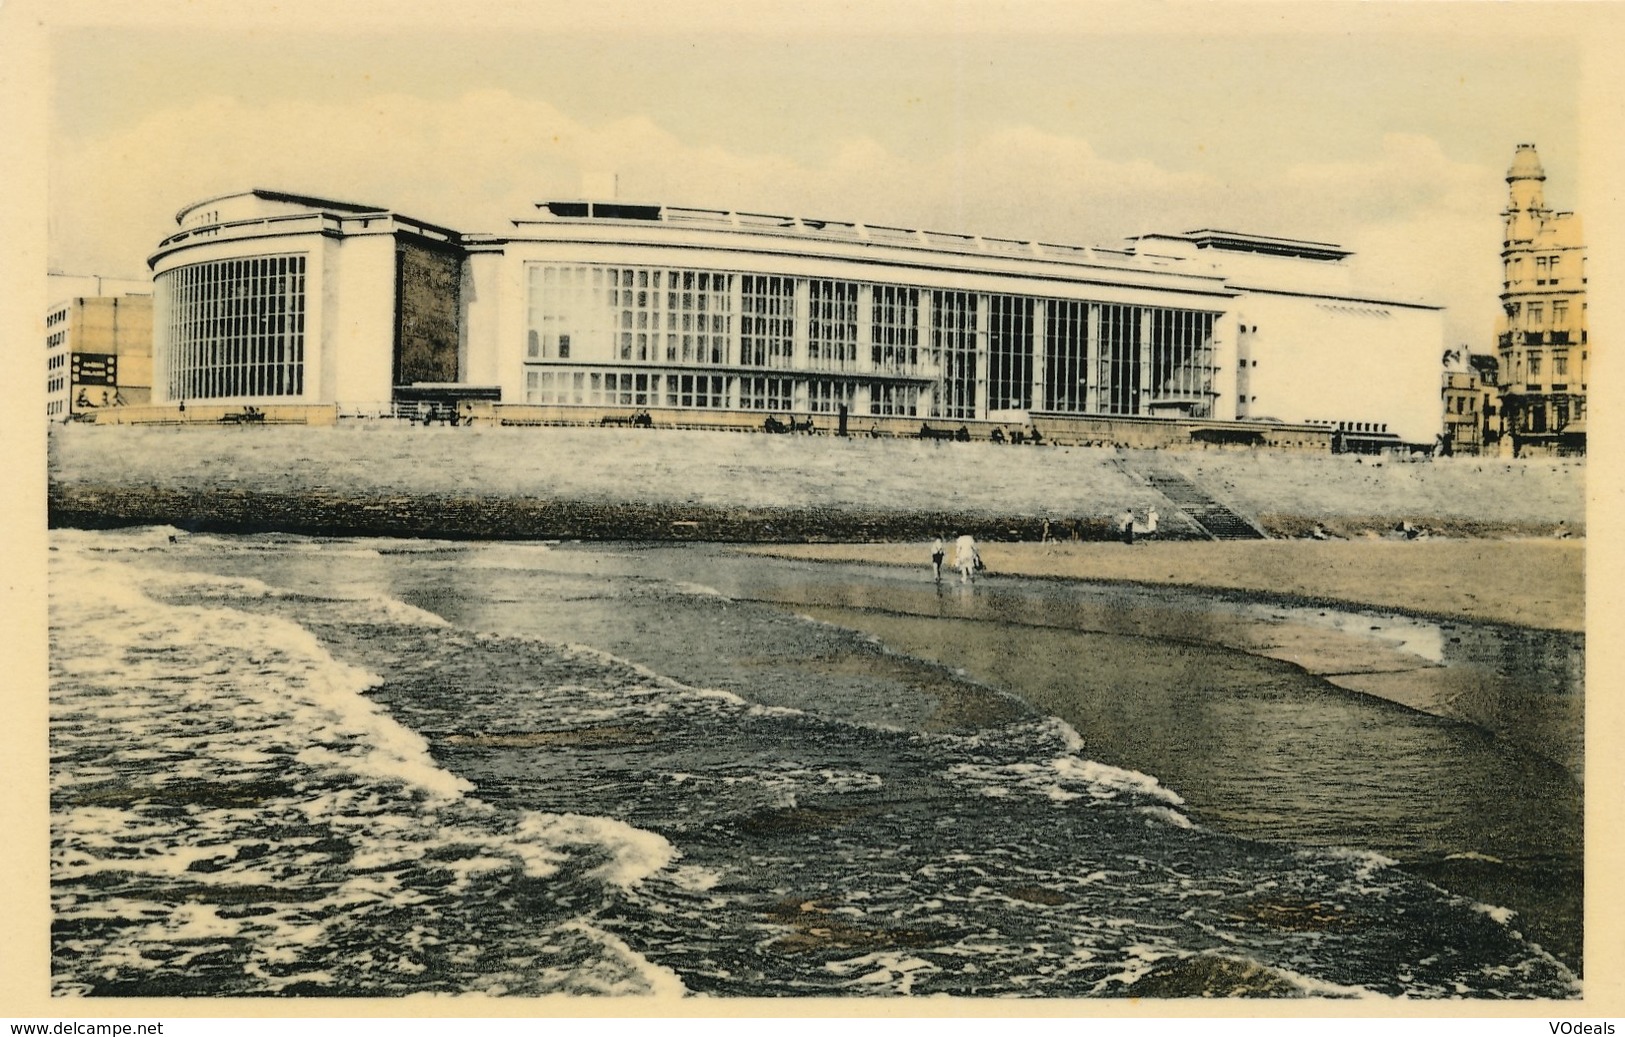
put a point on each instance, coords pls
(1528, 580)
(1523, 582)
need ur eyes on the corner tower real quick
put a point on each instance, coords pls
(1541, 333)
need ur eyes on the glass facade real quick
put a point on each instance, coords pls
(1009, 353)
(954, 349)
(767, 320)
(710, 339)
(235, 328)
(1120, 359)
(1181, 346)
(832, 331)
(1066, 356)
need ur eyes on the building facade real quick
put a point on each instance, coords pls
(1472, 404)
(266, 297)
(98, 354)
(1542, 342)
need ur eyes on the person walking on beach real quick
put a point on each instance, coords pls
(1125, 525)
(937, 554)
(966, 558)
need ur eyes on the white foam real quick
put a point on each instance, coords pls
(893, 970)
(635, 854)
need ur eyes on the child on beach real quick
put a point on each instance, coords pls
(937, 553)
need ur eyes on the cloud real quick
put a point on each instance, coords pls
(1422, 223)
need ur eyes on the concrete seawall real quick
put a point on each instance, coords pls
(591, 483)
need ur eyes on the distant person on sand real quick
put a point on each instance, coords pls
(1125, 526)
(937, 554)
(1151, 522)
(965, 558)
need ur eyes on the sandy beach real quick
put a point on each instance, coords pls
(1526, 582)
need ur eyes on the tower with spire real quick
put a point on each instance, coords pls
(1541, 333)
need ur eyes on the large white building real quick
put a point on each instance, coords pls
(264, 298)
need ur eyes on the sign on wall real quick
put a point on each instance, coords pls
(93, 369)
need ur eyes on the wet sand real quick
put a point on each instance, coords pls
(1537, 583)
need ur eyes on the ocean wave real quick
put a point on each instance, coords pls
(256, 824)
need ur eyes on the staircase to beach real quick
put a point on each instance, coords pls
(1214, 518)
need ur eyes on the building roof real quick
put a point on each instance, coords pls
(1233, 241)
(581, 213)
(310, 201)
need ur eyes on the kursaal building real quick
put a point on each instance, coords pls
(588, 310)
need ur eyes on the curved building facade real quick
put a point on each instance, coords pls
(267, 297)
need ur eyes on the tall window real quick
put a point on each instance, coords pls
(1120, 358)
(1560, 313)
(1537, 314)
(895, 328)
(767, 321)
(1182, 358)
(832, 324)
(569, 313)
(235, 327)
(1066, 355)
(1009, 353)
(953, 343)
(636, 298)
(698, 317)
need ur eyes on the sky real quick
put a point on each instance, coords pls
(1386, 128)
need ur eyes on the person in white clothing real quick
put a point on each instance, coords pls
(965, 558)
(937, 554)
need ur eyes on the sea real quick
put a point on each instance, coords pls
(350, 767)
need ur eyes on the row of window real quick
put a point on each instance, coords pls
(1533, 314)
(56, 339)
(1531, 366)
(770, 394)
(979, 349)
(233, 328)
(1548, 270)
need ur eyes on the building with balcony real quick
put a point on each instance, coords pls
(595, 308)
(1542, 342)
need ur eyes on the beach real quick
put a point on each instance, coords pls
(516, 767)
(1522, 582)
(733, 644)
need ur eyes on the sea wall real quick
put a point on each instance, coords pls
(627, 483)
